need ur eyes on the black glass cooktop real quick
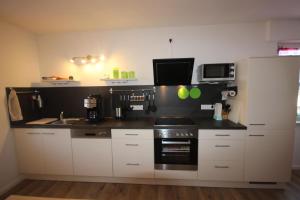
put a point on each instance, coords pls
(174, 121)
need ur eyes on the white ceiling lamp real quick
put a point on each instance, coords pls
(87, 60)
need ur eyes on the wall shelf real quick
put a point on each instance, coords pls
(118, 80)
(61, 82)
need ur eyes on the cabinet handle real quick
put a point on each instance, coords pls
(221, 167)
(170, 142)
(257, 124)
(257, 135)
(133, 164)
(90, 134)
(49, 133)
(132, 134)
(132, 145)
(222, 146)
(222, 135)
(32, 133)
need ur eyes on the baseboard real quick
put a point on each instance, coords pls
(157, 181)
(296, 167)
(11, 184)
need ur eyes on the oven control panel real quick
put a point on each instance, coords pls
(175, 133)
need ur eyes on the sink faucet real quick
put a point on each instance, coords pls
(61, 115)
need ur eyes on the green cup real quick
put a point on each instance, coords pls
(124, 75)
(116, 73)
(131, 75)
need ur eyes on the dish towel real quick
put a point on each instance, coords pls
(14, 107)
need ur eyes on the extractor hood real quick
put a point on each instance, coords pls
(173, 71)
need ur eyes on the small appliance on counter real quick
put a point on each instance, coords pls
(94, 108)
(218, 111)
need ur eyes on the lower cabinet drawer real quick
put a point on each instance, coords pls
(222, 134)
(132, 134)
(134, 169)
(221, 170)
(221, 150)
(133, 158)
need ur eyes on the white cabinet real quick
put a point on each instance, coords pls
(133, 153)
(221, 150)
(268, 157)
(221, 170)
(57, 151)
(44, 151)
(92, 157)
(221, 155)
(268, 89)
(30, 152)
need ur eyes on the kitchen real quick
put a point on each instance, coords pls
(126, 50)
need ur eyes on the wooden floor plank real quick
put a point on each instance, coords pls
(118, 191)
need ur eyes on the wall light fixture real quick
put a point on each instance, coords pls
(89, 59)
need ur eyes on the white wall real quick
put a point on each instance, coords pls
(18, 67)
(283, 30)
(134, 49)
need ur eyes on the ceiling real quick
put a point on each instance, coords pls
(46, 16)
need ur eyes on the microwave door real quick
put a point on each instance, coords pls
(217, 72)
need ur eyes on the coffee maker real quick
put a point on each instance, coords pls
(94, 108)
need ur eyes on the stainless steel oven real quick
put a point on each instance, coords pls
(176, 149)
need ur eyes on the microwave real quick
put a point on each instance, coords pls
(217, 72)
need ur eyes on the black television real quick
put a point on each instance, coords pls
(173, 71)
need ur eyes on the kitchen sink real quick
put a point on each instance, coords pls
(67, 121)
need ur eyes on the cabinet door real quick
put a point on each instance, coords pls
(92, 157)
(29, 148)
(133, 158)
(221, 170)
(268, 157)
(272, 92)
(220, 150)
(57, 151)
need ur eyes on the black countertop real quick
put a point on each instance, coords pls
(141, 123)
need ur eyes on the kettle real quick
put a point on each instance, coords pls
(218, 111)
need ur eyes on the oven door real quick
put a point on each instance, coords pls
(176, 153)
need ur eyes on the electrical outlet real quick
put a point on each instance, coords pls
(137, 107)
(207, 107)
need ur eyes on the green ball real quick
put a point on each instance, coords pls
(195, 93)
(183, 93)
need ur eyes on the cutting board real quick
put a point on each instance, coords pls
(43, 121)
(234, 114)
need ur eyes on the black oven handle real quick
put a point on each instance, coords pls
(175, 142)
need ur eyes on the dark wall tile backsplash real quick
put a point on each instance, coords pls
(70, 101)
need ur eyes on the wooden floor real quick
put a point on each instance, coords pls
(115, 191)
